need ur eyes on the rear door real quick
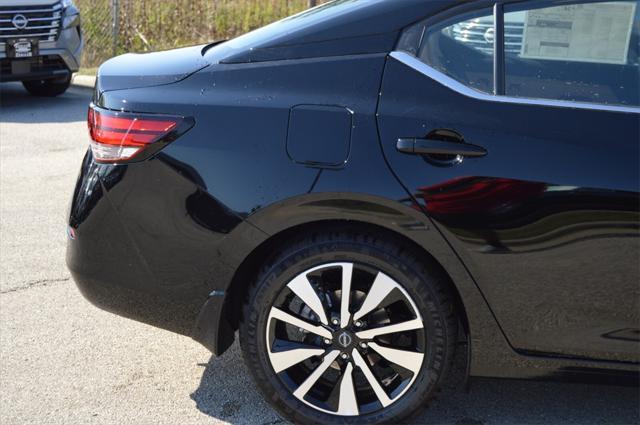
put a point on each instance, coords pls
(517, 129)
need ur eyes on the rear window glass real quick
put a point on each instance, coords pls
(584, 52)
(462, 48)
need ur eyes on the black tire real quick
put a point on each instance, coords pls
(49, 87)
(428, 289)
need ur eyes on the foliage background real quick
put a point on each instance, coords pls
(113, 27)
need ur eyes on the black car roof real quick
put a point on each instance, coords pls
(336, 28)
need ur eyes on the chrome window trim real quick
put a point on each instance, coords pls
(458, 87)
(52, 8)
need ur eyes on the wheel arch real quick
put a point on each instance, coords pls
(251, 266)
(287, 220)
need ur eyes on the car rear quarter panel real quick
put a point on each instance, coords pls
(173, 228)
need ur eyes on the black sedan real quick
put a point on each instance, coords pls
(367, 188)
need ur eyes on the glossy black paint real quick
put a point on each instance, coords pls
(538, 237)
(547, 222)
(343, 27)
(152, 69)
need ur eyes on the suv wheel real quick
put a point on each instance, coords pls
(347, 328)
(49, 87)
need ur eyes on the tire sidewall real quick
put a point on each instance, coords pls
(48, 87)
(282, 272)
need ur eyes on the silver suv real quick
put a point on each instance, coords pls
(40, 44)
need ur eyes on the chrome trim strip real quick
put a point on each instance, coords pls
(48, 18)
(53, 8)
(37, 27)
(445, 80)
(40, 34)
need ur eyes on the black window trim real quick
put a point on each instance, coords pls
(498, 64)
(498, 50)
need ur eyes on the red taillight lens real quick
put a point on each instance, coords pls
(119, 136)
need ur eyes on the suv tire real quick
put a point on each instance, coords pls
(49, 87)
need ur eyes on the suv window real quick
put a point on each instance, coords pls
(584, 52)
(462, 48)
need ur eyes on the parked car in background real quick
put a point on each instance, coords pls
(362, 191)
(40, 44)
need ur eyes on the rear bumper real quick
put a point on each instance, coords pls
(144, 243)
(106, 262)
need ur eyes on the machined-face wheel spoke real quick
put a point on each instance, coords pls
(347, 403)
(347, 272)
(283, 360)
(303, 289)
(409, 325)
(381, 287)
(330, 357)
(304, 388)
(373, 382)
(409, 360)
(276, 313)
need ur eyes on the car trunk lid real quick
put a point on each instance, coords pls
(149, 69)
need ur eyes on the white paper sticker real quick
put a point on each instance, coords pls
(592, 32)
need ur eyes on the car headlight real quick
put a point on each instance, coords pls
(71, 14)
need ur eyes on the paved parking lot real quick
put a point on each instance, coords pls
(63, 361)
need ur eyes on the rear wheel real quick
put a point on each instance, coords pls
(48, 88)
(345, 328)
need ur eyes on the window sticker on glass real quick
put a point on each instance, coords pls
(591, 32)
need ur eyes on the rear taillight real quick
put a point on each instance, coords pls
(121, 136)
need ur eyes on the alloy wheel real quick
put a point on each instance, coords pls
(345, 339)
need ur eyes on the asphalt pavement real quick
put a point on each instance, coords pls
(63, 361)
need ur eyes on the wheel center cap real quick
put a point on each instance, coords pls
(345, 339)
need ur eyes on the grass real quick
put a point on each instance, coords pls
(88, 71)
(148, 25)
